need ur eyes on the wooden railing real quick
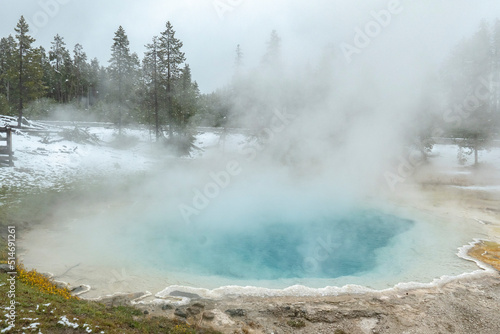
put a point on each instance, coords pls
(6, 154)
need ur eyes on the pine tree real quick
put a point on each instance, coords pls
(185, 106)
(35, 87)
(8, 71)
(272, 56)
(80, 72)
(95, 77)
(187, 98)
(151, 70)
(171, 58)
(238, 60)
(61, 63)
(24, 48)
(122, 69)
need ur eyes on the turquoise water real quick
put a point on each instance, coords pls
(328, 247)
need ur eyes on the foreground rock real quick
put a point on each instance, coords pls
(463, 306)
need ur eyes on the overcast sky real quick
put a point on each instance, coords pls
(211, 29)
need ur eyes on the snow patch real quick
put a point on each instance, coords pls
(65, 322)
(32, 326)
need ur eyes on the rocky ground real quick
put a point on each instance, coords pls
(467, 305)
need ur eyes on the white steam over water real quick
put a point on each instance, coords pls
(146, 245)
(300, 197)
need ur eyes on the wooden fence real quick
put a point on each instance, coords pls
(6, 154)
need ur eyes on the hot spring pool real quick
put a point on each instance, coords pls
(282, 244)
(324, 248)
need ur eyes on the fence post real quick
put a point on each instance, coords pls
(6, 151)
(9, 146)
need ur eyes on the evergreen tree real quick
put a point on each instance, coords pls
(96, 77)
(171, 58)
(122, 70)
(238, 61)
(8, 73)
(35, 87)
(24, 47)
(80, 72)
(185, 106)
(29, 68)
(260, 93)
(63, 67)
(272, 57)
(152, 76)
(186, 98)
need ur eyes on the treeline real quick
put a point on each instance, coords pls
(157, 90)
(471, 90)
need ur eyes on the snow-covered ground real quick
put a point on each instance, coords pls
(43, 162)
(445, 159)
(40, 165)
(53, 163)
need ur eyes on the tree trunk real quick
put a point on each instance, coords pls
(157, 118)
(169, 100)
(20, 119)
(170, 113)
(120, 99)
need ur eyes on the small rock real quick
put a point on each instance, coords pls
(121, 300)
(193, 310)
(208, 315)
(199, 305)
(166, 307)
(78, 289)
(180, 313)
(184, 294)
(146, 312)
(62, 285)
(236, 312)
